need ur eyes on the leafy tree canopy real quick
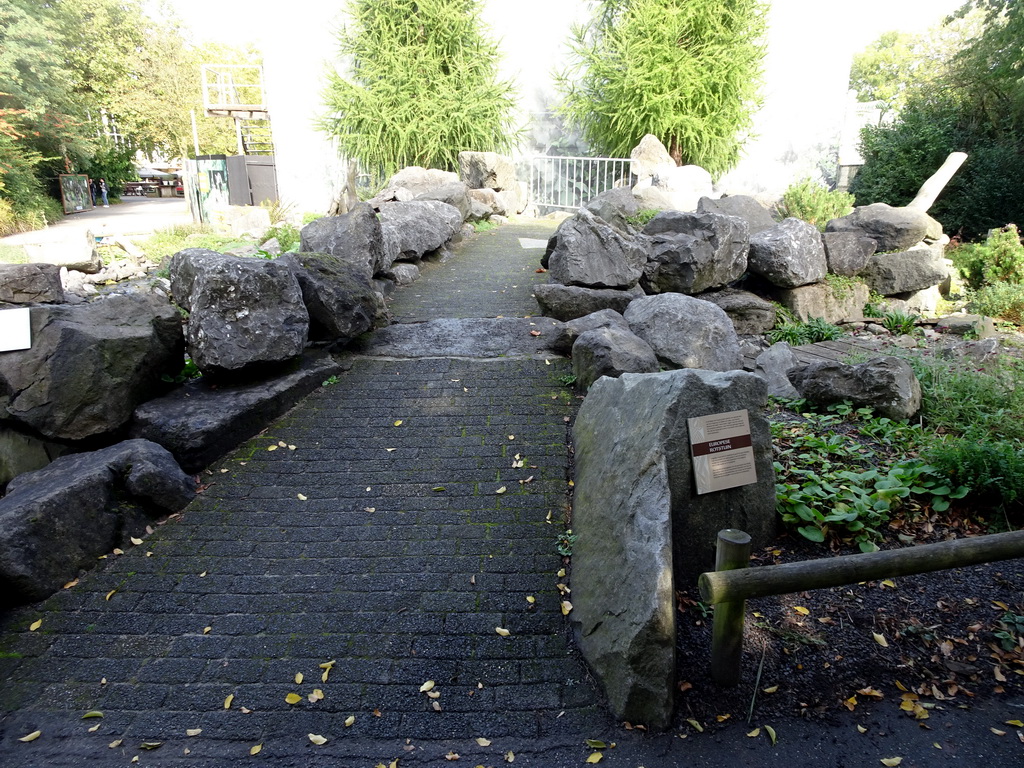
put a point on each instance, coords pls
(687, 72)
(973, 102)
(418, 85)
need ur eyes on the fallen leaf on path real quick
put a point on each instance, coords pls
(228, 700)
(315, 696)
(566, 607)
(150, 744)
(596, 744)
(770, 689)
(697, 726)
(595, 757)
(754, 733)
(298, 678)
(92, 713)
(271, 447)
(35, 625)
(350, 721)
(872, 692)
(115, 743)
(95, 728)
(31, 736)
(293, 698)
(136, 541)
(109, 594)
(398, 423)
(510, 756)
(880, 639)
(481, 741)
(997, 732)
(502, 631)
(427, 686)
(771, 734)
(452, 756)
(801, 610)
(193, 731)
(531, 599)
(501, 490)
(317, 739)
(207, 630)
(301, 496)
(891, 761)
(861, 729)
(71, 584)
(256, 749)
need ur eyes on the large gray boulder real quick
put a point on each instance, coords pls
(79, 254)
(758, 217)
(354, 237)
(20, 453)
(679, 188)
(30, 284)
(242, 312)
(835, 305)
(568, 302)
(891, 228)
(694, 252)
(615, 206)
(915, 269)
(685, 332)
(847, 253)
(415, 229)
(411, 181)
(341, 300)
(773, 365)
(90, 365)
(647, 157)
(487, 170)
(610, 351)
(60, 519)
(750, 314)
(642, 531)
(789, 254)
(886, 384)
(591, 253)
(484, 203)
(573, 329)
(202, 421)
(455, 194)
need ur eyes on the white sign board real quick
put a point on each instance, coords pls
(723, 455)
(15, 329)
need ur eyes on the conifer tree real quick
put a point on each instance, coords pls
(687, 71)
(421, 86)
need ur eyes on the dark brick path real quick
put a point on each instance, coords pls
(398, 564)
(393, 579)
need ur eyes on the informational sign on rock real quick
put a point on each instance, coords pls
(15, 329)
(723, 454)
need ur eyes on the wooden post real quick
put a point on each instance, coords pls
(732, 586)
(732, 552)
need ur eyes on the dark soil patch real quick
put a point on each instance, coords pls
(819, 657)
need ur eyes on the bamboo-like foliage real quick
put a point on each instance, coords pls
(688, 71)
(422, 86)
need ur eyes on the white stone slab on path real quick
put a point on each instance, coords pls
(529, 242)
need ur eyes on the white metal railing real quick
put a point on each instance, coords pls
(233, 88)
(568, 183)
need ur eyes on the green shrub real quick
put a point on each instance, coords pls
(899, 323)
(287, 236)
(640, 219)
(795, 332)
(999, 259)
(307, 217)
(814, 203)
(994, 470)
(1001, 300)
(961, 400)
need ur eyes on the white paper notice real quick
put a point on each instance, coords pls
(15, 329)
(723, 455)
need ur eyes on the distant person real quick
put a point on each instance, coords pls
(94, 186)
(101, 189)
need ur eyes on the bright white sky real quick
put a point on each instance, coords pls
(859, 21)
